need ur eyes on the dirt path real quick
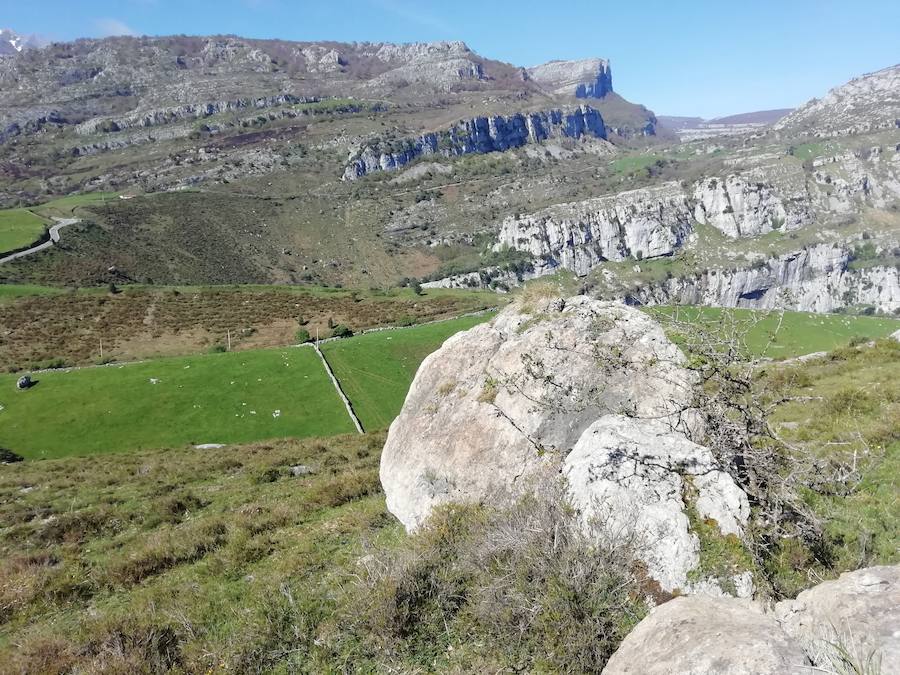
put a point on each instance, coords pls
(54, 238)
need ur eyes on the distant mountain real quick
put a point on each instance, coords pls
(11, 43)
(695, 128)
(677, 123)
(867, 103)
(758, 117)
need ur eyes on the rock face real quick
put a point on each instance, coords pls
(700, 635)
(740, 209)
(163, 116)
(630, 476)
(860, 611)
(644, 223)
(532, 394)
(480, 135)
(587, 78)
(815, 279)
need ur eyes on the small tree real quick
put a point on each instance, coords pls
(417, 288)
(341, 331)
(301, 336)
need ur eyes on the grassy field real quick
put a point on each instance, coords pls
(770, 335)
(67, 207)
(10, 292)
(133, 554)
(375, 370)
(19, 228)
(215, 398)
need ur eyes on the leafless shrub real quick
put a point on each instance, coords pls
(524, 584)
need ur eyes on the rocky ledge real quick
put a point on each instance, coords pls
(479, 135)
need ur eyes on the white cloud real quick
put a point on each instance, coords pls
(110, 27)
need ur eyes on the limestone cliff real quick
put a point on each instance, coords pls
(817, 279)
(644, 223)
(479, 135)
(587, 78)
(739, 208)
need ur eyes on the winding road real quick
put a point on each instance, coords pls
(54, 237)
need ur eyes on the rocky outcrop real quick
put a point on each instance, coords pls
(644, 223)
(527, 397)
(587, 78)
(700, 635)
(860, 611)
(814, 279)
(846, 625)
(863, 104)
(630, 477)
(743, 209)
(192, 111)
(479, 135)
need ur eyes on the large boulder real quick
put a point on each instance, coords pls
(630, 476)
(701, 635)
(859, 613)
(593, 390)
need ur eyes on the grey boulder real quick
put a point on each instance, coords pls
(629, 476)
(858, 613)
(501, 402)
(701, 635)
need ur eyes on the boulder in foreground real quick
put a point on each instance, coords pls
(700, 635)
(590, 390)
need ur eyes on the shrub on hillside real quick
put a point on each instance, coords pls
(341, 331)
(301, 336)
(518, 587)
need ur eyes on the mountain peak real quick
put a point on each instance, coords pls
(584, 78)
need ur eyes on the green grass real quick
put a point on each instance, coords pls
(806, 151)
(9, 292)
(202, 399)
(632, 163)
(375, 370)
(65, 207)
(19, 228)
(799, 332)
(845, 406)
(181, 560)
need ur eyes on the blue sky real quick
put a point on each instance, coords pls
(678, 58)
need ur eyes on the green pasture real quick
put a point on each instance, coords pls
(778, 335)
(214, 398)
(376, 369)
